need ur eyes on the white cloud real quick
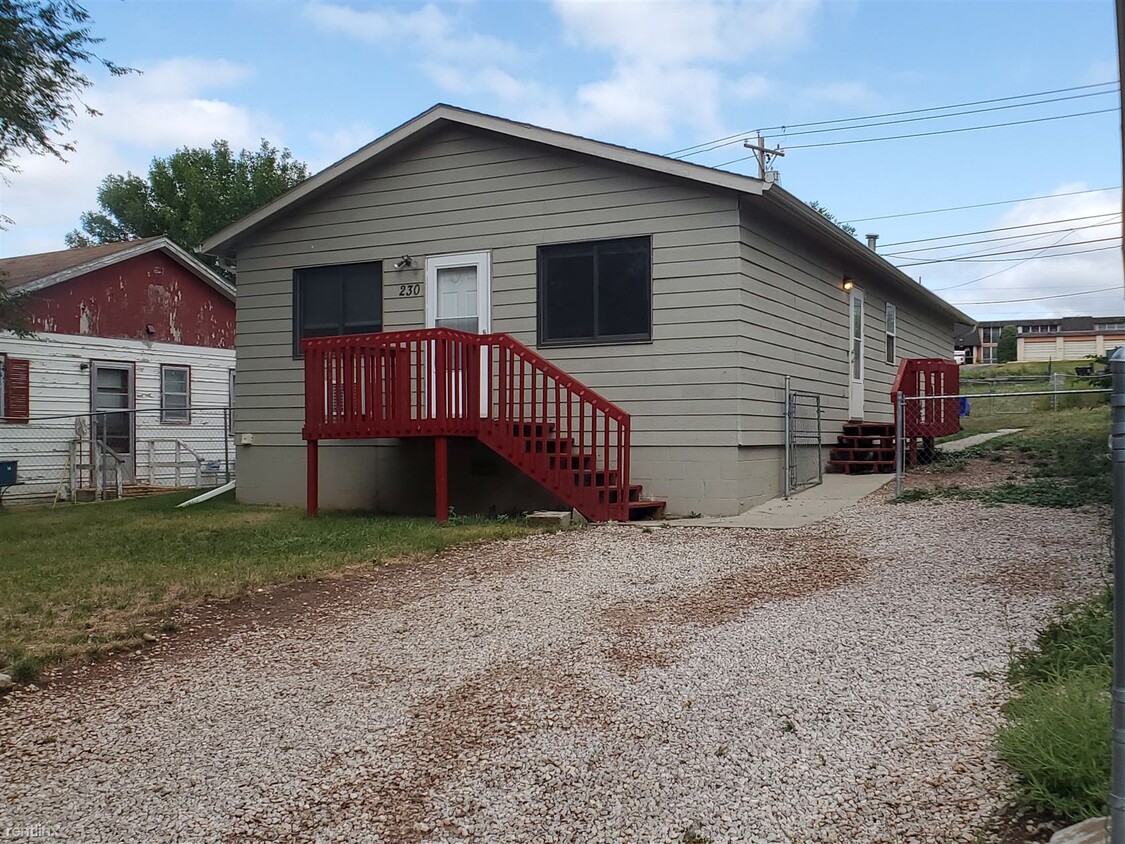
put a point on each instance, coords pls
(670, 62)
(1075, 268)
(850, 94)
(142, 116)
(450, 53)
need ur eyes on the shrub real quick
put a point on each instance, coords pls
(1057, 742)
(1007, 346)
(1056, 738)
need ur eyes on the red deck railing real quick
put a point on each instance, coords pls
(444, 383)
(921, 377)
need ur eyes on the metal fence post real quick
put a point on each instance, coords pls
(788, 436)
(1117, 447)
(900, 441)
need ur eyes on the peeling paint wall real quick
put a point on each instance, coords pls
(122, 300)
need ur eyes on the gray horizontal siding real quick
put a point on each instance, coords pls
(466, 192)
(795, 323)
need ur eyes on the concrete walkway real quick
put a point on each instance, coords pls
(975, 439)
(805, 508)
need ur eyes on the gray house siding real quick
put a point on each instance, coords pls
(794, 322)
(461, 191)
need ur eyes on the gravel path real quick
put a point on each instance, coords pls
(837, 683)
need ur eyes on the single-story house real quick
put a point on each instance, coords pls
(626, 322)
(127, 379)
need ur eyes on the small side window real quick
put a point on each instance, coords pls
(892, 334)
(175, 394)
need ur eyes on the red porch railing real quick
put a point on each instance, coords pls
(921, 377)
(442, 383)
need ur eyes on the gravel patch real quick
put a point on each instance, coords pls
(841, 682)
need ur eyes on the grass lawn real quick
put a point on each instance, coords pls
(83, 579)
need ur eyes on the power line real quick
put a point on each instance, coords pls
(1004, 229)
(1007, 269)
(1006, 240)
(742, 135)
(1040, 298)
(990, 257)
(786, 135)
(977, 205)
(936, 132)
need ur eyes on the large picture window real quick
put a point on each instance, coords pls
(593, 293)
(341, 299)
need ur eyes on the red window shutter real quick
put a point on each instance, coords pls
(17, 390)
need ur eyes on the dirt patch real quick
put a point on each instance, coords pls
(448, 731)
(784, 567)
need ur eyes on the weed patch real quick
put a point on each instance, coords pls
(1056, 736)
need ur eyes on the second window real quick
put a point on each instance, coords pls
(593, 293)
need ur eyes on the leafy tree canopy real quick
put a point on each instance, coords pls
(1006, 346)
(190, 195)
(816, 206)
(43, 46)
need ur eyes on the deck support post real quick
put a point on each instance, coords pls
(312, 470)
(441, 477)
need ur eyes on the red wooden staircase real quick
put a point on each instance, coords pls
(442, 383)
(930, 409)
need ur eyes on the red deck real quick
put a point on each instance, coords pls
(442, 383)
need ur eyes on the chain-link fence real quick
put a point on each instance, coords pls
(118, 453)
(932, 432)
(804, 460)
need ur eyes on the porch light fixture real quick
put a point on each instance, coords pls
(847, 284)
(405, 261)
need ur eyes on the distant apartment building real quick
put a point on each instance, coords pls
(1057, 338)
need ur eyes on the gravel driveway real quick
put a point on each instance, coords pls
(837, 683)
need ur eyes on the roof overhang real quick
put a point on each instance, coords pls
(225, 242)
(863, 257)
(174, 251)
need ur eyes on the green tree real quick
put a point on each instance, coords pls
(1006, 346)
(190, 195)
(43, 46)
(816, 206)
(13, 311)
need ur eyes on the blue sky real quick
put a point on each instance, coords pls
(323, 78)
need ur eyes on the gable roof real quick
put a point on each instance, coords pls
(779, 201)
(36, 272)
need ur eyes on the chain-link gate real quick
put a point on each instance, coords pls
(804, 464)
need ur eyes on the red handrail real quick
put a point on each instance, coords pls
(440, 382)
(918, 378)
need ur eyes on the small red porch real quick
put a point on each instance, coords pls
(440, 383)
(866, 447)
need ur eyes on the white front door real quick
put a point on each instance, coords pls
(857, 348)
(459, 292)
(459, 296)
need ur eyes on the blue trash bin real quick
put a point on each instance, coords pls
(7, 472)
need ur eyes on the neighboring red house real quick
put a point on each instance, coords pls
(135, 337)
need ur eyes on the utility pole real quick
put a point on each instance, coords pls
(763, 155)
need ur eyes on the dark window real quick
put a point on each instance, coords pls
(595, 292)
(330, 301)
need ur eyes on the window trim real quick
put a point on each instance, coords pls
(3, 387)
(541, 308)
(295, 325)
(164, 409)
(890, 329)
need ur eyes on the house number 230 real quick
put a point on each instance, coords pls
(410, 289)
